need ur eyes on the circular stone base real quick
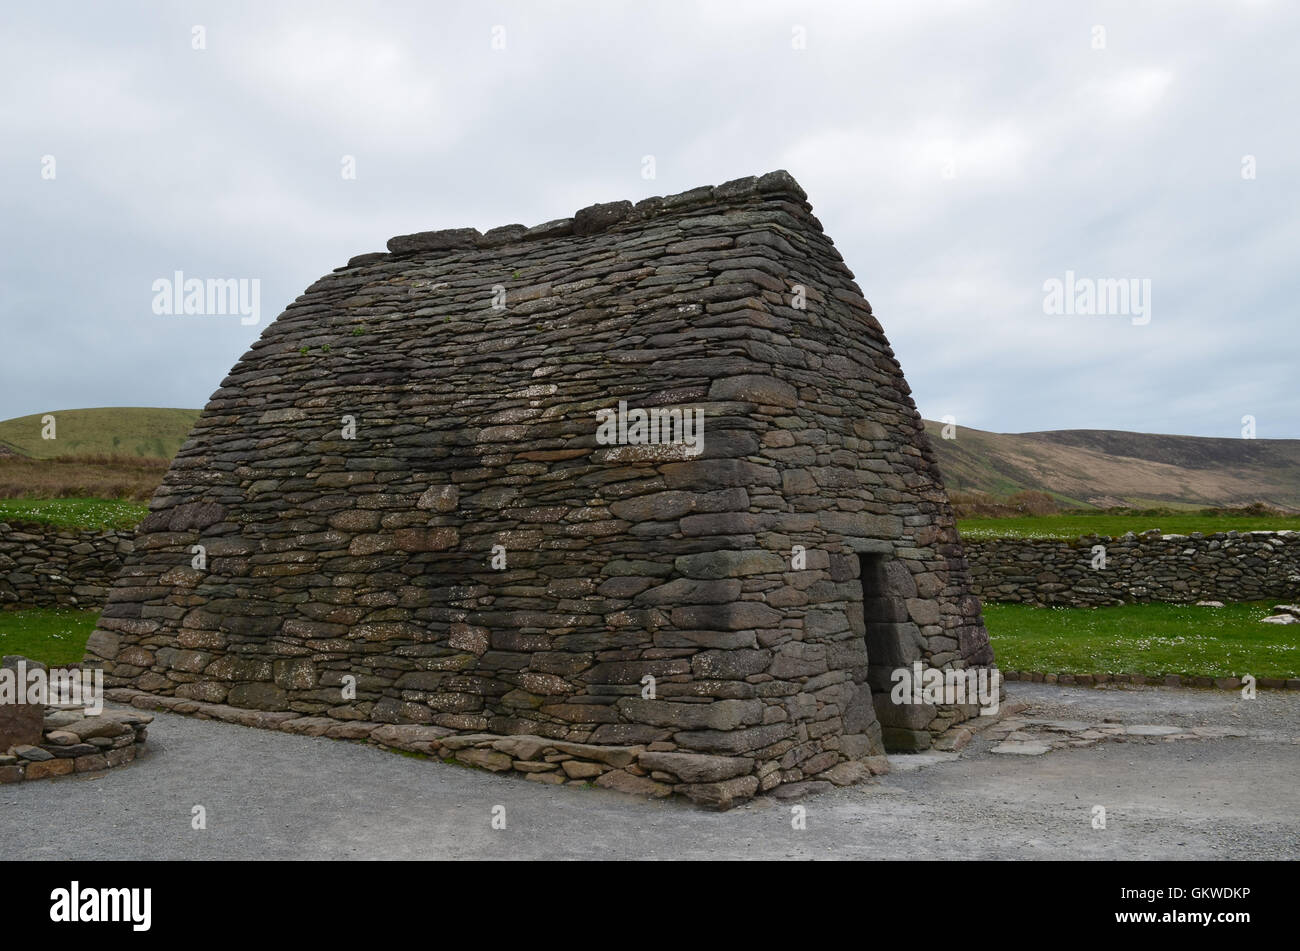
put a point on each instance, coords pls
(73, 742)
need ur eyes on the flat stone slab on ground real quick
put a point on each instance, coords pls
(1061, 726)
(903, 762)
(1151, 729)
(1021, 749)
(1218, 732)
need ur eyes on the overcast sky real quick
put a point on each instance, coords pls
(960, 155)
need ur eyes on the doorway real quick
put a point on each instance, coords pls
(884, 613)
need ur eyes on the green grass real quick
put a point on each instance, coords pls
(139, 431)
(85, 514)
(1072, 525)
(54, 636)
(1148, 639)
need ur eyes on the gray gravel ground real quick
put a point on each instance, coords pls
(275, 796)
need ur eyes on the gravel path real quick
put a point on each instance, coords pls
(276, 796)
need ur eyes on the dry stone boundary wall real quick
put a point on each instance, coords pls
(1225, 566)
(42, 566)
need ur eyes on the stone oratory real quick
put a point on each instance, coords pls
(637, 497)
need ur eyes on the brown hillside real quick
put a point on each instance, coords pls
(1109, 467)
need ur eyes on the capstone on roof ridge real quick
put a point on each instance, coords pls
(586, 221)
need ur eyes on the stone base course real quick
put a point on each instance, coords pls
(654, 770)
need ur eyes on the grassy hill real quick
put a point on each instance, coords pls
(115, 453)
(1109, 468)
(131, 431)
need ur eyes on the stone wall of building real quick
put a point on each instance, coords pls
(1226, 566)
(42, 566)
(353, 477)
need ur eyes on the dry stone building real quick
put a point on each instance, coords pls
(646, 482)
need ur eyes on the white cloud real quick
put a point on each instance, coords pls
(1133, 94)
(363, 87)
(1116, 163)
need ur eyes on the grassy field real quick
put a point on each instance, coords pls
(112, 453)
(85, 514)
(1147, 639)
(140, 432)
(50, 635)
(1072, 525)
(101, 477)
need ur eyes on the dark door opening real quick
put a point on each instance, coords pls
(884, 613)
(893, 643)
